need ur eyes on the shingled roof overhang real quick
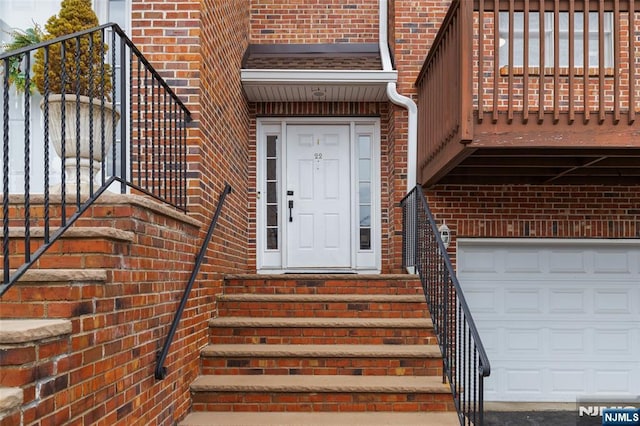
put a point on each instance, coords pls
(347, 72)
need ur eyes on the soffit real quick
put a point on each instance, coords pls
(315, 72)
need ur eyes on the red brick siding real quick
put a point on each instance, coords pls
(523, 211)
(223, 155)
(197, 46)
(327, 21)
(168, 34)
(103, 373)
(412, 28)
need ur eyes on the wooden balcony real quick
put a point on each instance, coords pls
(506, 94)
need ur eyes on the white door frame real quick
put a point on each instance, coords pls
(274, 260)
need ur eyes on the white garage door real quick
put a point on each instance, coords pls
(560, 319)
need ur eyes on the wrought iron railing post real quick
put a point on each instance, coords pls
(5, 176)
(123, 114)
(465, 362)
(415, 225)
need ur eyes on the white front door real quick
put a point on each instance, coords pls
(318, 196)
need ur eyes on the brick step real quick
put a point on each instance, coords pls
(108, 206)
(321, 419)
(323, 305)
(323, 284)
(54, 293)
(10, 401)
(27, 348)
(320, 393)
(78, 247)
(361, 360)
(17, 209)
(248, 330)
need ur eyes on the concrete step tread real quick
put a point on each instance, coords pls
(321, 419)
(30, 330)
(62, 275)
(10, 399)
(319, 383)
(309, 351)
(77, 232)
(321, 277)
(349, 298)
(322, 322)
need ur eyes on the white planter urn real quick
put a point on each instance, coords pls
(86, 118)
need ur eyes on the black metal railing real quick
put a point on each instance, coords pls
(133, 139)
(161, 371)
(465, 361)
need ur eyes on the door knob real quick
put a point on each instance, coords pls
(290, 210)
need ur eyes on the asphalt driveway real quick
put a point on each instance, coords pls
(538, 418)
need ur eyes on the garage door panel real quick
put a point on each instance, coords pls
(616, 262)
(523, 341)
(491, 339)
(614, 342)
(477, 261)
(567, 381)
(567, 301)
(567, 342)
(613, 381)
(522, 261)
(558, 320)
(546, 382)
(567, 261)
(612, 301)
(523, 301)
(484, 299)
(527, 381)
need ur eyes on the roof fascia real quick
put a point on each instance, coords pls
(317, 76)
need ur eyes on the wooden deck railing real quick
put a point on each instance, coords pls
(445, 89)
(501, 63)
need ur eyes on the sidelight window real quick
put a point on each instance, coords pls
(272, 192)
(364, 191)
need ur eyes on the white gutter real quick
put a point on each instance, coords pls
(401, 100)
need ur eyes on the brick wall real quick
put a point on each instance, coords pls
(529, 211)
(223, 154)
(104, 369)
(103, 372)
(197, 46)
(412, 28)
(168, 34)
(327, 21)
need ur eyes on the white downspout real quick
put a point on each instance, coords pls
(401, 100)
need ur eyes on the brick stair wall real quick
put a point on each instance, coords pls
(117, 277)
(10, 402)
(314, 343)
(34, 361)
